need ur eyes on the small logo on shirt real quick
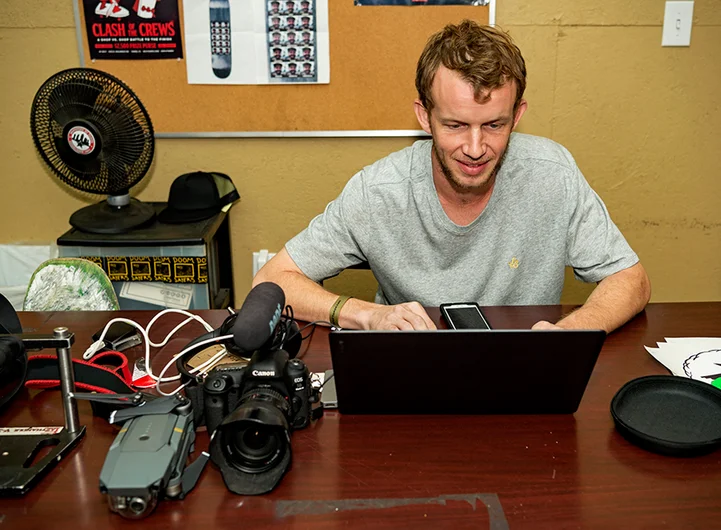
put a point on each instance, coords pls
(514, 263)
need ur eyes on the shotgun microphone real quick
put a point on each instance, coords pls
(258, 316)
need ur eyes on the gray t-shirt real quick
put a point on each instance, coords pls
(541, 217)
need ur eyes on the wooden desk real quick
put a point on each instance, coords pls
(415, 472)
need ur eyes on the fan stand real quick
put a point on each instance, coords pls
(117, 215)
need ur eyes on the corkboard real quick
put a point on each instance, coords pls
(373, 54)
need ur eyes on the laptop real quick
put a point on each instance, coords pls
(463, 371)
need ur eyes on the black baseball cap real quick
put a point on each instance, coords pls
(198, 196)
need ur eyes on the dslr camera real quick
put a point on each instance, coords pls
(250, 412)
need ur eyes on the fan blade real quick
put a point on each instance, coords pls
(124, 145)
(73, 99)
(82, 168)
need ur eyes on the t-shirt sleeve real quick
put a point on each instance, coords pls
(595, 246)
(331, 241)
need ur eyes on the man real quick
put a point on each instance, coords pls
(290, 54)
(307, 54)
(289, 7)
(292, 70)
(308, 70)
(277, 70)
(305, 23)
(307, 38)
(475, 214)
(274, 23)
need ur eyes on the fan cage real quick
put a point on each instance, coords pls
(126, 140)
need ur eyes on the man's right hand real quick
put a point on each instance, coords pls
(406, 316)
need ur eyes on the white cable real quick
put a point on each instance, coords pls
(190, 318)
(94, 346)
(159, 379)
(100, 343)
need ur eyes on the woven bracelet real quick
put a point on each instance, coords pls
(336, 307)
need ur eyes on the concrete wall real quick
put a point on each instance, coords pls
(644, 123)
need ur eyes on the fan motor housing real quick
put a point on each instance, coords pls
(83, 138)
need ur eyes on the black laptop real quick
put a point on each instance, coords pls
(463, 371)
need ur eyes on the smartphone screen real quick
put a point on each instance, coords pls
(464, 316)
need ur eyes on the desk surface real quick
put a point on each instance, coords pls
(571, 471)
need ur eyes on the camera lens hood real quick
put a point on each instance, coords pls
(250, 470)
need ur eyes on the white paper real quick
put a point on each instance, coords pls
(694, 357)
(256, 42)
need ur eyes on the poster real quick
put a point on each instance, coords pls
(256, 42)
(133, 29)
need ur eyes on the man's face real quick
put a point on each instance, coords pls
(469, 138)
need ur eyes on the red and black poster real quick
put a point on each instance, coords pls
(133, 29)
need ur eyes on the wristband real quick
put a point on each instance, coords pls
(336, 307)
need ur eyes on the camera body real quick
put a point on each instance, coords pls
(250, 412)
(269, 374)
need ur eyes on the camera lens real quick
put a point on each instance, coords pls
(255, 447)
(257, 439)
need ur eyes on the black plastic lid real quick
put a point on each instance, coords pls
(669, 415)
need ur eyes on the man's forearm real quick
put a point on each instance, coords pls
(613, 302)
(309, 300)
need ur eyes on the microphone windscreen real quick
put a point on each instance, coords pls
(258, 316)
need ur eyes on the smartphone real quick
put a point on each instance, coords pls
(328, 396)
(464, 315)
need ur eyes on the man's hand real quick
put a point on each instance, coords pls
(615, 300)
(544, 324)
(407, 316)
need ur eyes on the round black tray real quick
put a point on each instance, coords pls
(669, 415)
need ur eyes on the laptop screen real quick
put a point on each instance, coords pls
(463, 371)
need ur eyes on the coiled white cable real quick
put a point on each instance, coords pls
(159, 379)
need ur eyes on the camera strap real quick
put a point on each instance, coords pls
(106, 373)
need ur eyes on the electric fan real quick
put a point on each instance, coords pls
(95, 134)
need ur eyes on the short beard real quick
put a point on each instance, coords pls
(455, 184)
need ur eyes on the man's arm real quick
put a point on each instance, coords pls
(311, 302)
(617, 298)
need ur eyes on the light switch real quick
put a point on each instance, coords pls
(677, 24)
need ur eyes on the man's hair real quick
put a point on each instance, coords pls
(484, 56)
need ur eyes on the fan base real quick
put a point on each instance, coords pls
(102, 218)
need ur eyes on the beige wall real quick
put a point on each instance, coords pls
(644, 123)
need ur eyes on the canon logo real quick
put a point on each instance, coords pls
(263, 373)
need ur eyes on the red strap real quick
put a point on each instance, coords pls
(94, 377)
